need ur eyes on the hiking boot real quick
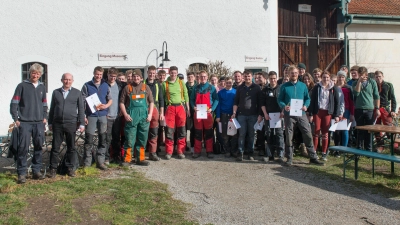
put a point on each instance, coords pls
(303, 150)
(21, 179)
(181, 156)
(52, 173)
(239, 157)
(289, 162)
(324, 157)
(124, 164)
(316, 162)
(210, 155)
(38, 176)
(195, 155)
(102, 167)
(107, 162)
(71, 172)
(168, 156)
(143, 163)
(154, 157)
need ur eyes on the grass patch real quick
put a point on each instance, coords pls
(128, 198)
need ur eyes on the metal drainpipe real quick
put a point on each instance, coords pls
(346, 41)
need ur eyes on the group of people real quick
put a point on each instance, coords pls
(135, 114)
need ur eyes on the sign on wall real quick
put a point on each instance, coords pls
(113, 56)
(304, 8)
(253, 59)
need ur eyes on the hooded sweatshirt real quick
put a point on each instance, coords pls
(325, 99)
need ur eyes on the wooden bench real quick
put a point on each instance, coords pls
(356, 153)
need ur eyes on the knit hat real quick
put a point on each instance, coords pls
(301, 66)
(137, 72)
(180, 76)
(344, 66)
(341, 73)
(285, 66)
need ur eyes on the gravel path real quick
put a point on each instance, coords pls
(223, 191)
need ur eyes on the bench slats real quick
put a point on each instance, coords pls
(376, 155)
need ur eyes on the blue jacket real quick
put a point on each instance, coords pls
(202, 89)
(90, 88)
(291, 91)
(225, 105)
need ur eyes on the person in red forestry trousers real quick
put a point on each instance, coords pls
(204, 93)
(177, 109)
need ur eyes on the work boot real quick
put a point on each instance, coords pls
(316, 162)
(324, 157)
(21, 179)
(167, 156)
(37, 176)
(195, 155)
(143, 163)
(102, 167)
(181, 156)
(210, 155)
(154, 157)
(71, 172)
(239, 157)
(52, 173)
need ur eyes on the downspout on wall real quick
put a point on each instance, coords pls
(346, 42)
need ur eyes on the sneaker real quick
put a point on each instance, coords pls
(316, 162)
(195, 155)
(324, 157)
(124, 164)
(181, 156)
(38, 176)
(143, 163)
(251, 158)
(154, 157)
(102, 167)
(52, 173)
(210, 155)
(336, 154)
(71, 172)
(107, 162)
(168, 156)
(289, 162)
(239, 157)
(21, 179)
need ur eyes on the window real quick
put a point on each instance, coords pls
(196, 67)
(26, 75)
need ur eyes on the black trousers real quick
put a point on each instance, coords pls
(113, 138)
(364, 117)
(59, 131)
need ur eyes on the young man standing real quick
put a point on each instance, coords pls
(221, 83)
(97, 119)
(158, 112)
(224, 112)
(387, 104)
(275, 140)
(177, 103)
(354, 75)
(367, 104)
(63, 120)
(247, 107)
(136, 104)
(296, 90)
(237, 75)
(190, 85)
(204, 93)
(28, 109)
(302, 70)
(121, 77)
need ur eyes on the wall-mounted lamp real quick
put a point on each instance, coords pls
(164, 54)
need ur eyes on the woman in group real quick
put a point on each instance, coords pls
(324, 106)
(341, 137)
(317, 72)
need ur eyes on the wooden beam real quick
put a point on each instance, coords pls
(286, 53)
(334, 59)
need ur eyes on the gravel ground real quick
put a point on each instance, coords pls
(223, 191)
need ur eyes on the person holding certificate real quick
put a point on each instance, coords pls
(272, 114)
(204, 101)
(325, 104)
(293, 97)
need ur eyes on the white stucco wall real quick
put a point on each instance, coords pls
(69, 35)
(376, 47)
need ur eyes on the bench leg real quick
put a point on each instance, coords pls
(355, 167)
(373, 168)
(344, 167)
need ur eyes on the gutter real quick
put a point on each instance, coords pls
(346, 42)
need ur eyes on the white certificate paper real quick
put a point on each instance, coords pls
(341, 125)
(201, 111)
(295, 107)
(275, 120)
(93, 101)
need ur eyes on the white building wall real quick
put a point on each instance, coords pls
(376, 47)
(69, 35)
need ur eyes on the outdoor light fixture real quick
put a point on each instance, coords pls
(164, 54)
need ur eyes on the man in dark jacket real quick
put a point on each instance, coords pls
(63, 119)
(28, 109)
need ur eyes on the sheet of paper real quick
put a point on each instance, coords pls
(231, 131)
(236, 123)
(201, 111)
(220, 127)
(93, 101)
(275, 120)
(259, 125)
(341, 125)
(333, 127)
(295, 107)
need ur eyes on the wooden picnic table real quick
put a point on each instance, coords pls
(392, 130)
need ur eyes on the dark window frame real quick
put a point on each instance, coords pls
(26, 75)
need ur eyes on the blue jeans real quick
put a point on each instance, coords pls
(246, 133)
(275, 141)
(341, 137)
